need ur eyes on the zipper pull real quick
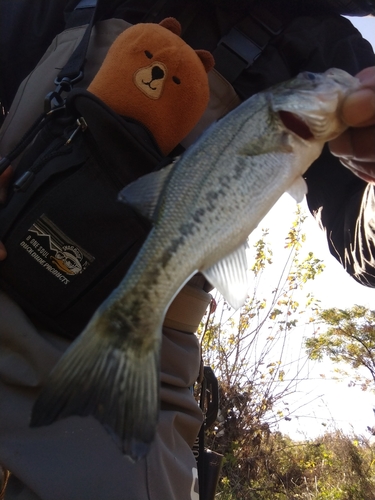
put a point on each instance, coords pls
(81, 125)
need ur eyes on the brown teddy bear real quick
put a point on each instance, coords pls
(150, 74)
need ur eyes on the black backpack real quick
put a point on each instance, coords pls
(69, 240)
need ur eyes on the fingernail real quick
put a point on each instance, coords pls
(367, 77)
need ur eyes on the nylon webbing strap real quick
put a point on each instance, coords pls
(187, 310)
(84, 13)
(238, 49)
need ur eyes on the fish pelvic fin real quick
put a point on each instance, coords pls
(144, 193)
(117, 385)
(230, 276)
(298, 189)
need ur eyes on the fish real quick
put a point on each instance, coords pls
(203, 206)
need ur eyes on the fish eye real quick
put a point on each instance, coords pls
(176, 80)
(148, 54)
(310, 76)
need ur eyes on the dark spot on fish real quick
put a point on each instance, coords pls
(171, 250)
(152, 278)
(225, 181)
(198, 214)
(120, 321)
(238, 169)
(187, 229)
(211, 198)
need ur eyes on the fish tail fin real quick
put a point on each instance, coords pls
(118, 385)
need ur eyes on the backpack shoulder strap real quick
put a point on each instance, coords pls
(82, 13)
(244, 43)
(28, 102)
(73, 70)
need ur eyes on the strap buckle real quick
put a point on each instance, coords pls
(234, 53)
(54, 99)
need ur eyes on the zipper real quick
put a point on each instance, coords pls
(53, 151)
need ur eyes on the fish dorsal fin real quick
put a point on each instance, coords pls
(144, 193)
(298, 189)
(230, 277)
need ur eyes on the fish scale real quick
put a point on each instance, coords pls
(203, 208)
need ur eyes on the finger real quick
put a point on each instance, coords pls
(3, 252)
(367, 77)
(358, 109)
(357, 144)
(364, 170)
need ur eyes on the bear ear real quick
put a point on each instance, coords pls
(207, 59)
(172, 25)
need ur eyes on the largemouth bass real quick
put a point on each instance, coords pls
(203, 208)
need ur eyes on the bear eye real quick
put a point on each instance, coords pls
(148, 54)
(176, 80)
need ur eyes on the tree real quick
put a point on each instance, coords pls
(248, 351)
(349, 339)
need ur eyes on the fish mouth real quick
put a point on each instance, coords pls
(295, 124)
(309, 105)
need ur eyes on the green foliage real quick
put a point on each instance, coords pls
(332, 467)
(349, 338)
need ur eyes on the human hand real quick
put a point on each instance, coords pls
(4, 182)
(356, 146)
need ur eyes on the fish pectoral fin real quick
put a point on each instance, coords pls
(230, 277)
(298, 189)
(119, 387)
(144, 193)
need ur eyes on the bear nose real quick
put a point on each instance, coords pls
(157, 73)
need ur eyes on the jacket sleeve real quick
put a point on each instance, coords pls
(343, 204)
(344, 207)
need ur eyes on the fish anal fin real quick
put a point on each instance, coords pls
(143, 194)
(117, 386)
(230, 277)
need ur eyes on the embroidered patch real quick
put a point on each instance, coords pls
(55, 251)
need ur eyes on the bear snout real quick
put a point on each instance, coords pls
(150, 79)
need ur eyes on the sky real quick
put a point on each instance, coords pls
(333, 405)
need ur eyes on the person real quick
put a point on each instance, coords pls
(74, 458)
